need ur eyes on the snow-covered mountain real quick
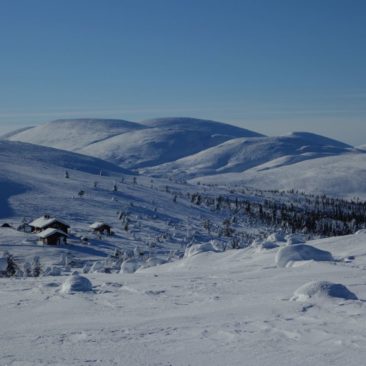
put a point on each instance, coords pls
(238, 155)
(132, 145)
(212, 152)
(73, 135)
(340, 175)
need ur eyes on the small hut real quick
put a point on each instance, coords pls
(46, 222)
(101, 228)
(52, 236)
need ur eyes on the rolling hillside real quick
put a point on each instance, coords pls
(129, 144)
(238, 155)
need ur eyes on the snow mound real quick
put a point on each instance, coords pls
(323, 289)
(200, 248)
(76, 283)
(130, 266)
(300, 252)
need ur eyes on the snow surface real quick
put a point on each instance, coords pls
(209, 307)
(341, 176)
(229, 308)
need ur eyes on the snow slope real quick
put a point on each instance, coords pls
(231, 308)
(133, 145)
(23, 166)
(238, 155)
(208, 308)
(212, 152)
(73, 134)
(340, 175)
(33, 183)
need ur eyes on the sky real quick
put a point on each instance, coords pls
(270, 66)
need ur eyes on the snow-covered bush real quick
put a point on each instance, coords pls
(300, 252)
(97, 267)
(218, 245)
(52, 271)
(8, 266)
(322, 289)
(130, 265)
(3, 264)
(278, 236)
(36, 267)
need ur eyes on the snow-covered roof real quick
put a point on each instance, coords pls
(44, 221)
(97, 225)
(50, 231)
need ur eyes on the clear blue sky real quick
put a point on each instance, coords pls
(271, 66)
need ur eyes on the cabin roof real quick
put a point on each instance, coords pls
(49, 232)
(98, 225)
(44, 221)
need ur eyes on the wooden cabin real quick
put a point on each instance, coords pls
(46, 222)
(101, 228)
(52, 236)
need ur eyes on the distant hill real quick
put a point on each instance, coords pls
(73, 135)
(197, 150)
(338, 175)
(238, 155)
(133, 145)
